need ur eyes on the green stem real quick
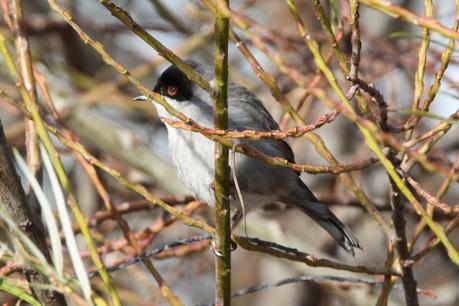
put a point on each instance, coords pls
(222, 186)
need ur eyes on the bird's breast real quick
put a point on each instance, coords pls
(193, 158)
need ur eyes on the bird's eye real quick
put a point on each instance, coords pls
(172, 90)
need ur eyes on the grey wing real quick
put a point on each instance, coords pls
(246, 112)
(256, 176)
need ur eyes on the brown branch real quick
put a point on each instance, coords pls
(129, 207)
(277, 250)
(409, 282)
(356, 42)
(146, 234)
(214, 135)
(253, 134)
(377, 97)
(445, 208)
(398, 219)
(388, 280)
(26, 77)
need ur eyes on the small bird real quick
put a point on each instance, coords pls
(260, 183)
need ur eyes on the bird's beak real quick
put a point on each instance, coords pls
(141, 98)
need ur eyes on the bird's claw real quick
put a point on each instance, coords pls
(233, 247)
(228, 197)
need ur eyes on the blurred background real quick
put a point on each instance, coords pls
(95, 102)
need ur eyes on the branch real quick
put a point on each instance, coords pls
(294, 132)
(26, 76)
(398, 219)
(129, 22)
(432, 200)
(329, 280)
(406, 15)
(221, 186)
(155, 251)
(277, 250)
(369, 131)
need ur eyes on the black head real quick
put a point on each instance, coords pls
(174, 84)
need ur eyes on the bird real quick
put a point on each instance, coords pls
(260, 183)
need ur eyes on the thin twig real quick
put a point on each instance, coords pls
(277, 250)
(328, 280)
(406, 15)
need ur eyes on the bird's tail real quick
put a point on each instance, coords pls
(326, 219)
(329, 222)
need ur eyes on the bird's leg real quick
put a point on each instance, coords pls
(214, 247)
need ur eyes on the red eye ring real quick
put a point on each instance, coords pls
(172, 90)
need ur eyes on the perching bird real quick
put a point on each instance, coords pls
(193, 154)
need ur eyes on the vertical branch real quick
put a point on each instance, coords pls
(326, 25)
(26, 71)
(388, 280)
(356, 43)
(26, 77)
(221, 187)
(419, 76)
(396, 200)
